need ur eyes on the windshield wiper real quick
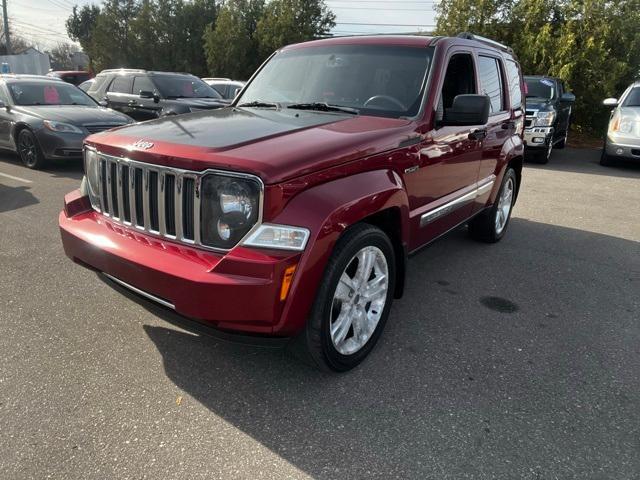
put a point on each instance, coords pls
(323, 107)
(259, 104)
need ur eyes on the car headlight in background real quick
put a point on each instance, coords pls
(61, 127)
(281, 237)
(92, 173)
(230, 208)
(545, 119)
(622, 124)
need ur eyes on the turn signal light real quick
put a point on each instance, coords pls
(286, 282)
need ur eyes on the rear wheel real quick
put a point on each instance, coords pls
(29, 150)
(563, 143)
(491, 225)
(353, 301)
(544, 156)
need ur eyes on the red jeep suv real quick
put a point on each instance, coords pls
(292, 213)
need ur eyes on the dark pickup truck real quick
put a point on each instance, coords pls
(548, 116)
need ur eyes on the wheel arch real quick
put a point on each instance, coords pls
(376, 197)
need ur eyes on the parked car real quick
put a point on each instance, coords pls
(84, 86)
(74, 77)
(43, 118)
(623, 135)
(293, 214)
(145, 95)
(226, 87)
(548, 116)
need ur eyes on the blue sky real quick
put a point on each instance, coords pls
(42, 21)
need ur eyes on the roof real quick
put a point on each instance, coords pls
(391, 40)
(19, 76)
(139, 70)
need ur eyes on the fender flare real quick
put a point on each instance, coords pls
(337, 205)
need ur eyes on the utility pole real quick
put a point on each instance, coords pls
(6, 26)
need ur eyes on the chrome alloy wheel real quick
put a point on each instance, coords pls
(504, 205)
(359, 300)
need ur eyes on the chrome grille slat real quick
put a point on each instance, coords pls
(170, 209)
(162, 223)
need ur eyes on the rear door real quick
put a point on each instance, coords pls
(491, 79)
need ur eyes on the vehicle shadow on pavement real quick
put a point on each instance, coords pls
(13, 198)
(516, 360)
(584, 160)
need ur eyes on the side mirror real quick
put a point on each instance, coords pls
(610, 102)
(568, 98)
(468, 110)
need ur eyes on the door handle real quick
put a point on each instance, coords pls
(508, 125)
(132, 102)
(479, 134)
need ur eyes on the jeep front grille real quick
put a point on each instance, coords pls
(159, 200)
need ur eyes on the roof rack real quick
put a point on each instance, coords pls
(217, 79)
(488, 41)
(125, 70)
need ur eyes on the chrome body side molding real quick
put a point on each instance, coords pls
(479, 188)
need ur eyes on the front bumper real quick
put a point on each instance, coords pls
(236, 291)
(623, 148)
(538, 137)
(56, 145)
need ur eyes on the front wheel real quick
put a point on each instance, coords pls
(491, 225)
(353, 301)
(29, 150)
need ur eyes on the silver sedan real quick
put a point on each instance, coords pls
(623, 134)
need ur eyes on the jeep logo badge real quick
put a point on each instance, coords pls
(143, 145)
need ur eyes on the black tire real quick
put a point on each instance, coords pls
(315, 345)
(562, 143)
(483, 227)
(29, 150)
(544, 156)
(606, 160)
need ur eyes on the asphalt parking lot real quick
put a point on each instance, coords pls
(513, 361)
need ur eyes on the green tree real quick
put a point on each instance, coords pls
(113, 39)
(292, 21)
(594, 45)
(80, 26)
(231, 45)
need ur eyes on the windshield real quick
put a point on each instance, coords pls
(540, 88)
(373, 79)
(183, 86)
(633, 99)
(48, 93)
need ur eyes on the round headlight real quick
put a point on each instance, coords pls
(230, 207)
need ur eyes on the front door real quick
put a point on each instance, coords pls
(442, 185)
(119, 95)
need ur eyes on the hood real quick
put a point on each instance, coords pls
(538, 103)
(276, 145)
(203, 103)
(74, 114)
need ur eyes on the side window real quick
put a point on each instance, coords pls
(221, 88)
(97, 84)
(515, 90)
(120, 84)
(460, 79)
(491, 82)
(142, 83)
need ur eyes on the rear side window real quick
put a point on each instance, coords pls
(515, 89)
(491, 82)
(142, 84)
(120, 85)
(221, 88)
